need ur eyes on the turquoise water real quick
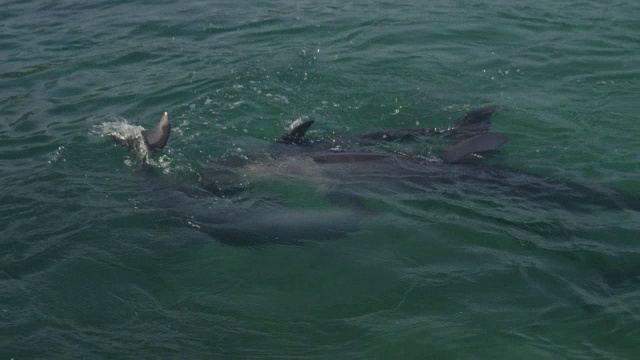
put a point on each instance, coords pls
(88, 270)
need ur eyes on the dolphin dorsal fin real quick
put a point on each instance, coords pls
(475, 144)
(297, 129)
(474, 122)
(156, 138)
(479, 116)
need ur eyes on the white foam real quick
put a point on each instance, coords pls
(127, 135)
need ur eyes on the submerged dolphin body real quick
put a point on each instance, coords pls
(219, 202)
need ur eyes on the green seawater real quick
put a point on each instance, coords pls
(87, 271)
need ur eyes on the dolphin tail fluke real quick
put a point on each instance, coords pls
(297, 130)
(156, 138)
(476, 144)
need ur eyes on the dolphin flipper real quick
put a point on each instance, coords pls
(297, 129)
(157, 137)
(475, 144)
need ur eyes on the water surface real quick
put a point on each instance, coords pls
(86, 270)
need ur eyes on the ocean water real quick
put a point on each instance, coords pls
(90, 269)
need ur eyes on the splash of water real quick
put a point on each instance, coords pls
(130, 137)
(127, 135)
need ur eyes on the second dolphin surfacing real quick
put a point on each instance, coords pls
(223, 203)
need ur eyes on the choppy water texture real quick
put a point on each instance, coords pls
(88, 270)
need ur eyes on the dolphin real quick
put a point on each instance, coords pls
(297, 156)
(473, 130)
(348, 171)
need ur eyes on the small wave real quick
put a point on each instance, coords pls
(58, 155)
